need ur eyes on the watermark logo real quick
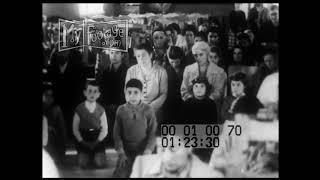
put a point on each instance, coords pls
(107, 35)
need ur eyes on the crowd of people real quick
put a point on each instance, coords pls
(98, 98)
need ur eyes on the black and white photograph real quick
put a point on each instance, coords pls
(160, 90)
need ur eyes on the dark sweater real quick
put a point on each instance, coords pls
(246, 104)
(196, 111)
(135, 128)
(112, 85)
(89, 120)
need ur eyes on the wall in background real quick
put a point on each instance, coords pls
(212, 9)
(64, 10)
(71, 10)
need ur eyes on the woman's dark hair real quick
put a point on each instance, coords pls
(215, 20)
(175, 52)
(202, 35)
(239, 76)
(146, 46)
(159, 29)
(176, 27)
(214, 30)
(189, 27)
(168, 28)
(135, 83)
(242, 36)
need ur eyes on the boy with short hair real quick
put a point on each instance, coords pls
(134, 129)
(90, 127)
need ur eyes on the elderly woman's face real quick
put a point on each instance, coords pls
(175, 157)
(143, 57)
(159, 39)
(200, 56)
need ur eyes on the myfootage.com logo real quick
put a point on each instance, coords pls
(107, 35)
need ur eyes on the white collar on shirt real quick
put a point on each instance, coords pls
(90, 106)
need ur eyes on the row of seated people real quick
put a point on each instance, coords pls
(135, 126)
(205, 101)
(68, 77)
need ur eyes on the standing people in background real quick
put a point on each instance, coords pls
(57, 135)
(137, 38)
(168, 30)
(174, 69)
(90, 59)
(268, 33)
(160, 46)
(134, 129)
(214, 37)
(253, 17)
(177, 38)
(112, 85)
(90, 127)
(238, 23)
(153, 77)
(215, 56)
(249, 51)
(67, 76)
(200, 36)
(238, 58)
(269, 66)
(202, 68)
(189, 32)
(214, 22)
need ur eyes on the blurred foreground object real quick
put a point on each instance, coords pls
(172, 162)
(49, 169)
(254, 153)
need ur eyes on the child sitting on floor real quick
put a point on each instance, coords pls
(90, 127)
(134, 129)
